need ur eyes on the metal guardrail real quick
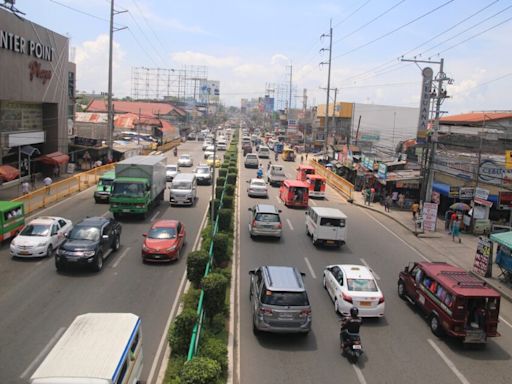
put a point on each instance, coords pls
(344, 186)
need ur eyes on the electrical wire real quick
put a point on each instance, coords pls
(352, 13)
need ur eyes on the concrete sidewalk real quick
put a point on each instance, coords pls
(462, 253)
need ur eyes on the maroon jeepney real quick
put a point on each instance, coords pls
(456, 302)
(294, 193)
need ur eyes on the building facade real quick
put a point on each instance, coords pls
(37, 91)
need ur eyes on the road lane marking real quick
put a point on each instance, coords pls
(289, 224)
(121, 257)
(278, 199)
(313, 275)
(155, 216)
(368, 266)
(395, 235)
(359, 374)
(104, 214)
(312, 202)
(505, 321)
(173, 310)
(44, 352)
(448, 362)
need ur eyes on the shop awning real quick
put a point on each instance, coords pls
(29, 150)
(55, 158)
(443, 189)
(504, 238)
(8, 173)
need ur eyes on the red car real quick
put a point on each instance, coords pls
(164, 241)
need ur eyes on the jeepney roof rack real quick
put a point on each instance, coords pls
(464, 279)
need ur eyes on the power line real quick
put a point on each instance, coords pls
(83, 12)
(352, 14)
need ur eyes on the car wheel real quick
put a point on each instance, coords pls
(255, 329)
(59, 265)
(50, 252)
(435, 326)
(97, 201)
(324, 283)
(401, 289)
(98, 262)
(117, 243)
(307, 231)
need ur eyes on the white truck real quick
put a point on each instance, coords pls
(276, 175)
(97, 348)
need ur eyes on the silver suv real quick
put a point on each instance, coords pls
(265, 221)
(279, 300)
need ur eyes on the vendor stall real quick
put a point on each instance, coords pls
(503, 253)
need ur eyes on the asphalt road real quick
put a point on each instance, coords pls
(399, 348)
(37, 303)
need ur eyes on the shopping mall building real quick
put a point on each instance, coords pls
(37, 92)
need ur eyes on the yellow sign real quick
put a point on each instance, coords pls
(508, 159)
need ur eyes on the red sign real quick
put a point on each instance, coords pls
(35, 71)
(483, 202)
(505, 200)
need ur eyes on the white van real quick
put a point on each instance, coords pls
(276, 175)
(97, 348)
(263, 152)
(326, 226)
(183, 189)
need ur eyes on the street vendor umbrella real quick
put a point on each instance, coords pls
(460, 207)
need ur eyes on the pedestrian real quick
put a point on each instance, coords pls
(366, 195)
(301, 159)
(453, 218)
(387, 202)
(47, 181)
(307, 156)
(25, 187)
(394, 197)
(415, 207)
(456, 230)
(372, 195)
(401, 200)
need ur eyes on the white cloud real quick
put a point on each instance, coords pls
(198, 58)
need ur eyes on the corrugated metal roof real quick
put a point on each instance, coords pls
(476, 117)
(146, 109)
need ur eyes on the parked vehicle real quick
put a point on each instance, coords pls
(294, 193)
(41, 237)
(209, 151)
(326, 226)
(203, 174)
(101, 348)
(353, 286)
(265, 221)
(104, 187)
(263, 152)
(279, 300)
(139, 185)
(12, 219)
(276, 175)
(455, 302)
(317, 185)
(288, 154)
(185, 160)
(164, 241)
(171, 170)
(191, 136)
(183, 190)
(89, 243)
(257, 188)
(303, 171)
(251, 161)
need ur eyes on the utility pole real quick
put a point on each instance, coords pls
(439, 95)
(290, 94)
(328, 85)
(110, 109)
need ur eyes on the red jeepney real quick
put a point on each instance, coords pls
(294, 193)
(456, 302)
(317, 185)
(303, 171)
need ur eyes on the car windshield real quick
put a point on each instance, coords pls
(203, 170)
(106, 182)
(128, 189)
(258, 183)
(285, 298)
(84, 233)
(361, 285)
(185, 157)
(172, 168)
(181, 185)
(162, 233)
(330, 222)
(36, 230)
(267, 217)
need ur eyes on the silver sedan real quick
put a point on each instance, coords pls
(185, 160)
(257, 188)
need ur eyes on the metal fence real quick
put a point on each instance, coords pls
(345, 187)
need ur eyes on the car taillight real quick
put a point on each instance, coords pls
(265, 311)
(279, 225)
(347, 298)
(381, 300)
(253, 223)
(305, 313)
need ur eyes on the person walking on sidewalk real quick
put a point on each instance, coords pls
(453, 219)
(456, 230)
(415, 208)
(366, 196)
(388, 200)
(47, 181)
(25, 187)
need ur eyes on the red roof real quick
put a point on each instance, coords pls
(476, 117)
(295, 183)
(8, 172)
(54, 158)
(458, 280)
(166, 126)
(145, 109)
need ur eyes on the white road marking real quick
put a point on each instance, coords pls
(313, 275)
(505, 321)
(120, 258)
(45, 351)
(155, 216)
(289, 224)
(448, 362)
(278, 199)
(312, 202)
(173, 312)
(104, 214)
(398, 237)
(359, 374)
(368, 266)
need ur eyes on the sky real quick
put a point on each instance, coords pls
(249, 45)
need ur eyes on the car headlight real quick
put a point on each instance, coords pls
(89, 253)
(145, 249)
(171, 249)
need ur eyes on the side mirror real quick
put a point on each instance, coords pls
(144, 235)
(303, 274)
(249, 209)
(252, 272)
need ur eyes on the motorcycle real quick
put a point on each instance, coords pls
(276, 156)
(352, 347)
(259, 174)
(175, 152)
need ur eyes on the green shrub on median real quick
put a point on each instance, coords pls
(223, 171)
(218, 191)
(230, 190)
(225, 218)
(200, 370)
(227, 202)
(231, 178)
(221, 181)
(215, 349)
(179, 334)
(221, 249)
(215, 287)
(196, 265)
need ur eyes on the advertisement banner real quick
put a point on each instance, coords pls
(481, 193)
(426, 89)
(505, 200)
(429, 216)
(482, 264)
(382, 172)
(454, 192)
(466, 193)
(508, 159)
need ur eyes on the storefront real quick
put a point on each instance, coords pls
(37, 90)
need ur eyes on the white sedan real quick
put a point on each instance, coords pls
(257, 188)
(185, 160)
(41, 237)
(209, 151)
(354, 286)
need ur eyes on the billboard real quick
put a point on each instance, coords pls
(210, 91)
(269, 104)
(426, 89)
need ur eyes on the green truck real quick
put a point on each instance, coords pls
(104, 187)
(139, 185)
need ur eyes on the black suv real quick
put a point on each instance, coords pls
(89, 243)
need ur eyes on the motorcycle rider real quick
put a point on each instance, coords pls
(276, 156)
(350, 325)
(269, 164)
(259, 174)
(175, 151)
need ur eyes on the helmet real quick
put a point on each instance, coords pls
(354, 311)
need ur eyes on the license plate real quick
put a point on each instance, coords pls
(356, 346)
(365, 303)
(285, 315)
(126, 210)
(24, 253)
(330, 241)
(71, 259)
